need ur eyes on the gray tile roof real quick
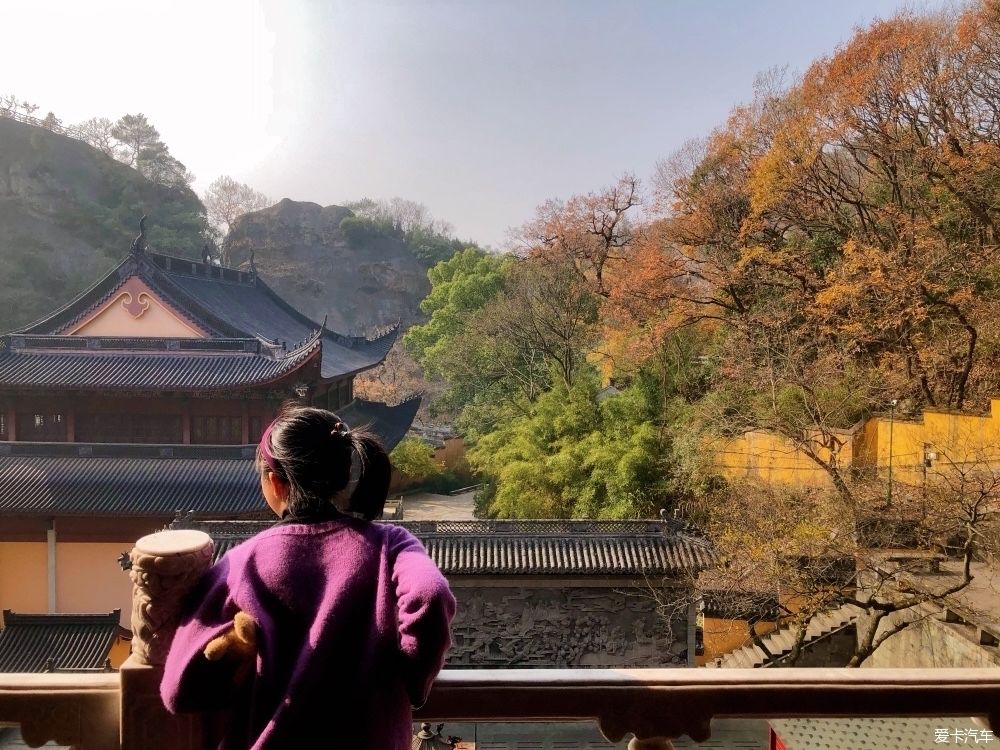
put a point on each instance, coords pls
(126, 480)
(616, 548)
(46, 643)
(228, 303)
(104, 363)
(871, 734)
(152, 480)
(256, 310)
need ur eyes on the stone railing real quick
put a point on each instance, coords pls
(113, 712)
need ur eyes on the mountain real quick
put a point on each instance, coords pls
(301, 251)
(68, 212)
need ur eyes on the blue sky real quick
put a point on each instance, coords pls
(479, 109)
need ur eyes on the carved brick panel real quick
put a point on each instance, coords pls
(523, 626)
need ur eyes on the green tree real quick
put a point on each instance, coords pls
(460, 286)
(143, 150)
(578, 452)
(135, 134)
(414, 458)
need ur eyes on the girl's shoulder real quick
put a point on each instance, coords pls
(293, 534)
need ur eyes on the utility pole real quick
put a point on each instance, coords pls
(892, 419)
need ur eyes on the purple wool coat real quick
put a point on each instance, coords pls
(353, 625)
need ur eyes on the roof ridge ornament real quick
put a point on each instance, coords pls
(253, 266)
(139, 243)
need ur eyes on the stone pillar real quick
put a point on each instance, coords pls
(165, 568)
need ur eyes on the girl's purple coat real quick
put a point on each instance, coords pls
(353, 627)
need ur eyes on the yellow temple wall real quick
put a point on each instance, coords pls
(951, 440)
(774, 459)
(23, 568)
(88, 578)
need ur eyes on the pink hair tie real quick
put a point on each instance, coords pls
(265, 449)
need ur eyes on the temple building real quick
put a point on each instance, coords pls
(143, 398)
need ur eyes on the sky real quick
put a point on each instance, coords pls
(480, 109)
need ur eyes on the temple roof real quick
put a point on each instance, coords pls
(76, 479)
(390, 423)
(56, 643)
(227, 303)
(72, 479)
(155, 363)
(514, 548)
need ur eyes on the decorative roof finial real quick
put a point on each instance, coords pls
(253, 266)
(139, 243)
(322, 328)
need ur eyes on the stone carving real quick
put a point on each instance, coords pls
(165, 567)
(567, 627)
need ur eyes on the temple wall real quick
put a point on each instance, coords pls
(951, 441)
(931, 643)
(23, 568)
(774, 459)
(560, 624)
(89, 578)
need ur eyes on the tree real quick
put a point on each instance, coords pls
(141, 148)
(136, 135)
(429, 240)
(575, 454)
(98, 133)
(815, 552)
(415, 458)
(397, 378)
(52, 122)
(226, 200)
(460, 286)
(592, 230)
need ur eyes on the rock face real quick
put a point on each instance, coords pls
(301, 252)
(68, 212)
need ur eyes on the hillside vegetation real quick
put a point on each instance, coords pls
(68, 212)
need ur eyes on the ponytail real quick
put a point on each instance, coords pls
(374, 475)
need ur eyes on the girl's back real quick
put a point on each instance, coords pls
(352, 626)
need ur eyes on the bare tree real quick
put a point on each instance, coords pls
(97, 132)
(226, 200)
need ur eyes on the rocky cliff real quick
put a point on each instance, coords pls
(69, 212)
(302, 253)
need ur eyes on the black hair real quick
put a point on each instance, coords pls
(316, 455)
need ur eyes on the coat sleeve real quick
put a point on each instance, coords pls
(190, 681)
(425, 607)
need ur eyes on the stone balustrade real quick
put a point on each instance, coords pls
(114, 712)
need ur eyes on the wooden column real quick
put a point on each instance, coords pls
(186, 426)
(11, 424)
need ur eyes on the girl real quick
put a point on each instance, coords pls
(352, 617)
